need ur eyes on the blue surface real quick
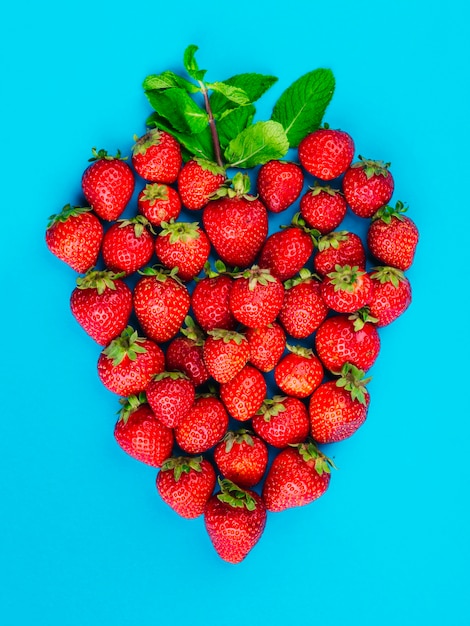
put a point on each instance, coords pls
(84, 538)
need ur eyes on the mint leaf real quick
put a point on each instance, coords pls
(233, 122)
(234, 94)
(168, 79)
(191, 65)
(301, 107)
(175, 105)
(257, 144)
(195, 145)
(254, 85)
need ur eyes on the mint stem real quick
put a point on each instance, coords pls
(214, 134)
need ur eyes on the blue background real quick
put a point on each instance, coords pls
(84, 537)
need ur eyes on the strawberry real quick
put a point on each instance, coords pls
(326, 153)
(244, 393)
(298, 476)
(108, 184)
(267, 344)
(161, 302)
(170, 396)
(391, 296)
(299, 372)
(225, 353)
(235, 520)
(303, 309)
(203, 426)
(102, 304)
(323, 208)
(392, 237)
(128, 245)
(367, 186)
(282, 421)
(186, 484)
(241, 457)
(185, 353)
(210, 299)
(236, 223)
(256, 297)
(339, 407)
(347, 289)
(183, 246)
(74, 236)
(128, 363)
(198, 179)
(156, 157)
(140, 434)
(339, 248)
(159, 203)
(279, 184)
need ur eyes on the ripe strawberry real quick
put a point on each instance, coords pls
(108, 184)
(74, 236)
(267, 344)
(235, 520)
(140, 434)
(128, 245)
(326, 153)
(225, 353)
(156, 157)
(279, 184)
(298, 476)
(128, 363)
(339, 248)
(392, 237)
(347, 289)
(183, 246)
(186, 484)
(303, 309)
(170, 396)
(244, 393)
(299, 372)
(203, 426)
(159, 203)
(323, 208)
(282, 421)
(256, 297)
(198, 179)
(185, 354)
(241, 457)
(338, 408)
(391, 296)
(236, 223)
(210, 300)
(367, 186)
(102, 304)
(161, 302)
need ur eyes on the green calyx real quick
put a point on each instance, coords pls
(318, 188)
(345, 277)
(127, 344)
(170, 375)
(142, 144)
(300, 351)
(180, 231)
(140, 224)
(361, 317)
(299, 222)
(388, 274)
(256, 276)
(161, 273)
(234, 496)
(232, 437)
(332, 240)
(192, 331)
(180, 465)
(272, 407)
(218, 269)
(99, 155)
(153, 192)
(99, 280)
(130, 405)
(352, 379)
(67, 212)
(304, 276)
(238, 187)
(372, 168)
(312, 455)
(220, 334)
(210, 166)
(386, 212)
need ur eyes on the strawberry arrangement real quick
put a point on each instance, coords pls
(237, 353)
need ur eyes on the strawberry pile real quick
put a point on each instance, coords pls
(236, 351)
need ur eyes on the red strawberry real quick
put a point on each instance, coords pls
(186, 354)
(267, 344)
(161, 302)
(236, 223)
(170, 395)
(108, 184)
(339, 248)
(391, 296)
(241, 457)
(326, 153)
(299, 372)
(244, 393)
(156, 157)
(256, 297)
(297, 477)
(197, 180)
(74, 236)
(141, 435)
(338, 408)
(102, 304)
(323, 208)
(303, 309)
(279, 184)
(347, 289)
(392, 237)
(225, 353)
(159, 203)
(128, 363)
(183, 246)
(203, 426)
(186, 484)
(235, 520)
(282, 421)
(210, 299)
(128, 245)
(367, 186)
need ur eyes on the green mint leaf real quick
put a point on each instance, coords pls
(175, 105)
(257, 144)
(233, 122)
(195, 145)
(168, 79)
(301, 107)
(234, 94)
(253, 85)
(191, 65)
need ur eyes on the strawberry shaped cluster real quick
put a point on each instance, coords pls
(237, 354)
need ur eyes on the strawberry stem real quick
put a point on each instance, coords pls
(212, 126)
